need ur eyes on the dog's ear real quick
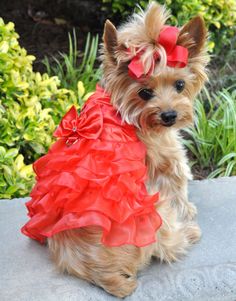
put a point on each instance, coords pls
(110, 39)
(193, 36)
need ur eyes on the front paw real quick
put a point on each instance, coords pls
(120, 285)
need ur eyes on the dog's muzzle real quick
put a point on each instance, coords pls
(168, 118)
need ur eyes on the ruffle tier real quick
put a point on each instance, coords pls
(94, 181)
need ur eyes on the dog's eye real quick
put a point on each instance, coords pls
(179, 85)
(146, 94)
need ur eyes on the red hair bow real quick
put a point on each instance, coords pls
(177, 56)
(87, 125)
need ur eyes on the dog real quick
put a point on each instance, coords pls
(151, 75)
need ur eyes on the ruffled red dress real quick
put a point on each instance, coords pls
(94, 174)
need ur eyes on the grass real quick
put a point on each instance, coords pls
(212, 141)
(76, 66)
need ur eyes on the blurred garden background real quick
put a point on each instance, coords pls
(48, 61)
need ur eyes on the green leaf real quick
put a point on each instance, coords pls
(4, 47)
(11, 153)
(12, 189)
(7, 170)
(38, 148)
(2, 152)
(29, 136)
(229, 168)
(2, 181)
(216, 172)
(226, 158)
(8, 176)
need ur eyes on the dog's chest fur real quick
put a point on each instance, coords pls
(166, 161)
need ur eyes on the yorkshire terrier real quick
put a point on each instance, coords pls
(152, 73)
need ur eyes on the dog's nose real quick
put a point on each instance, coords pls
(169, 117)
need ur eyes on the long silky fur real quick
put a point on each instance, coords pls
(80, 252)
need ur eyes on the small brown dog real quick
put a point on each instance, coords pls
(158, 105)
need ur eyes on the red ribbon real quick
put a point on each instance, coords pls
(177, 56)
(87, 125)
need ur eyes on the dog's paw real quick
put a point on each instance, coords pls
(121, 285)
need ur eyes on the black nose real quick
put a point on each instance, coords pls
(169, 117)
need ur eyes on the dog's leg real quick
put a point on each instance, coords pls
(175, 236)
(169, 172)
(173, 186)
(80, 253)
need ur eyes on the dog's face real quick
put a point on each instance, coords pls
(160, 95)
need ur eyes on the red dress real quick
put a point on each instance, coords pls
(94, 174)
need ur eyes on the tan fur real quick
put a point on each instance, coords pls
(79, 252)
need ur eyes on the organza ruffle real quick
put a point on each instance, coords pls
(94, 175)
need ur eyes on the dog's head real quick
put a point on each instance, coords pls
(153, 71)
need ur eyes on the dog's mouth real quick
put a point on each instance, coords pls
(168, 124)
(154, 121)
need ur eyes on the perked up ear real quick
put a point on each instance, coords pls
(193, 36)
(110, 38)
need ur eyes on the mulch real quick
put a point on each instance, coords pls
(44, 25)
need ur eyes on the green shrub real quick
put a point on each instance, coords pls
(31, 105)
(16, 178)
(213, 139)
(220, 15)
